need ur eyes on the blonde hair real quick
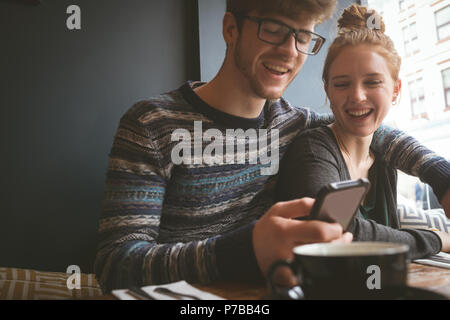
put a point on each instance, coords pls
(356, 26)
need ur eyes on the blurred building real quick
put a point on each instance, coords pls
(420, 30)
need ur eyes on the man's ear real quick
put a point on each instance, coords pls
(229, 29)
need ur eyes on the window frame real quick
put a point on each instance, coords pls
(414, 98)
(409, 39)
(446, 89)
(445, 24)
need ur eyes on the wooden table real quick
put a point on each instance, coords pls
(421, 276)
(431, 278)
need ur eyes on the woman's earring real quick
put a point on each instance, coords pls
(394, 101)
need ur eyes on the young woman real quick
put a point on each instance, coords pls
(361, 79)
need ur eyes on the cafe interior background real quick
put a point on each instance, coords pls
(64, 91)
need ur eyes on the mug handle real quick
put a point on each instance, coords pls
(294, 293)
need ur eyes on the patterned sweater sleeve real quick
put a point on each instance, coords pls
(128, 251)
(129, 222)
(405, 153)
(410, 156)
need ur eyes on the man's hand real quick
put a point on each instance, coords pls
(277, 233)
(445, 202)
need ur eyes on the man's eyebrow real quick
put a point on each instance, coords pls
(285, 24)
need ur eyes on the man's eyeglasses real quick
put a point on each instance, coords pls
(275, 32)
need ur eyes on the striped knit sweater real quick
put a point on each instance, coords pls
(163, 221)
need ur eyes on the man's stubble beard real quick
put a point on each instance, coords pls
(243, 67)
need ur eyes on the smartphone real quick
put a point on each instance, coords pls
(339, 201)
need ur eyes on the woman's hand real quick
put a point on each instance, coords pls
(445, 238)
(445, 202)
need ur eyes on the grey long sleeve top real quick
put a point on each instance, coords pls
(314, 160)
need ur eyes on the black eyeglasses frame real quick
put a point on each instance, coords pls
(293, 31)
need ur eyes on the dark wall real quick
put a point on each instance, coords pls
(62, 95)
(211, 43)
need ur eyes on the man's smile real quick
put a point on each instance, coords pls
(277, 69)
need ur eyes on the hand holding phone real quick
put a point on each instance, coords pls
(339, 201)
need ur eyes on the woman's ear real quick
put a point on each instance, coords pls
(397, 90)
(325, 87)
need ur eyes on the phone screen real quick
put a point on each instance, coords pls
(340, 205)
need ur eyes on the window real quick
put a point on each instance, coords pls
(442, 18)
(446, 83)
(417, 94)
(410, 39)
(424, 109)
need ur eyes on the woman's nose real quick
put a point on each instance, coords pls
(357, 94)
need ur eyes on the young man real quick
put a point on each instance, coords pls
(177, 210)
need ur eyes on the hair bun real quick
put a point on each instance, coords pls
(358, 17)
